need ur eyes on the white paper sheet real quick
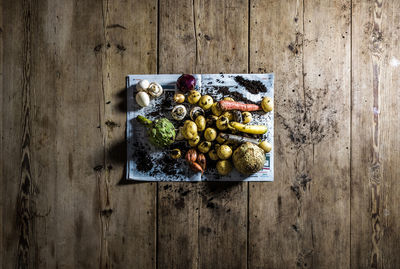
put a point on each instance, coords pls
(147, 163)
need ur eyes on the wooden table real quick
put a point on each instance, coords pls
(335, 199)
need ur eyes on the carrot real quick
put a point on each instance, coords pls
(232, 105)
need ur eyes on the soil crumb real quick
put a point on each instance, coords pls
(235, 95)
(252, 86)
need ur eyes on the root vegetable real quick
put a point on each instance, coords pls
(246, 117)
(193, 142)
(175, 153)
(204, 146)
(228, 115)
(189, 130)
(179, 98)
(206, 102)
(224, 152)
(220, 138)
(267, 104)
(213, 155)
(248, 158)
(201, 123)
(250, 129)
(231, 105)
(265, 146)
(210, 134)
(211, 120)
(201, 160)
(193, 97)
(222, 123)
(216, 110)
(224, 167)
(237, 116)
(237, 138)
(229, 99)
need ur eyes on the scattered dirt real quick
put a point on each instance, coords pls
(235, 95)
(252, 86)
(143, 160)
(302, 129)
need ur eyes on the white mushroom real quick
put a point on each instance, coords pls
(142, 85)
(179, 112)
(143, 99)
(155, 89)
(195, 112)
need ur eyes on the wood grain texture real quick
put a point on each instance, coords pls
(197, 36)
(275, 232)
(12, 128)
(305, 212)
(375, 191)
(128, 212)
(334, 202)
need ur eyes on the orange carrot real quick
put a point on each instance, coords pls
(231, 105)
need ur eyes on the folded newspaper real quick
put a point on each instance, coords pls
(147, 163)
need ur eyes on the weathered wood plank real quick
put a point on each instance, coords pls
(309, 214)
(66, 143)
(222, 46)
(128, 210)
(375, 190)
(12, 116)
(203, 37)
(276, 29)
(1, 132)
(178, 204)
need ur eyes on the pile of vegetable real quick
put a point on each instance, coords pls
(219, 131)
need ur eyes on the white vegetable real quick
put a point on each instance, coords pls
(155, 89)
(179, 112)
(142, 85)
(143, 99)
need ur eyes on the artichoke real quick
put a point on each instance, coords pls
(161, 132)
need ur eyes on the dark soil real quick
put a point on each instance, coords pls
(143, 160)
(235, 95)
(252, 86)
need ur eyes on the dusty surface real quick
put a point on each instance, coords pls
(335, 199)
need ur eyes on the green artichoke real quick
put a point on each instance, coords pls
(161, 132)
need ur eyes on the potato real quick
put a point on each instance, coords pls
(228, 114)
(213, 155)
(224, 152)
(206, 102)
(222, 123)
(267, 104)
(265, 146)
(248, 158)
(179, 98)
(193, 142)
(210, 134)
(204, 146)
(216, 109)
(201, 123)
(189, 130)
(229, 99)
(246, 117)
(193, 97)
(224, 167)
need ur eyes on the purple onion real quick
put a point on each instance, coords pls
(186, 83)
